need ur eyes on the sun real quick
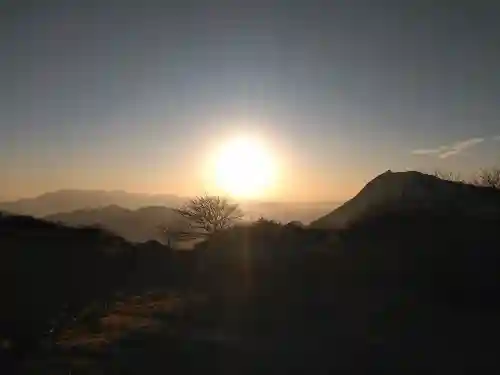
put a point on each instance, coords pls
(244, 168)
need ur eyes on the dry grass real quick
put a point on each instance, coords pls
(138, 313)
(97, 338)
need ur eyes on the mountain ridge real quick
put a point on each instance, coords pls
(67, 200)
(410, 190)
(140, 225)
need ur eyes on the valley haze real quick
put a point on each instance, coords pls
(68, 200)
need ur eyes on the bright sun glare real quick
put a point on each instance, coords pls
(244, 168)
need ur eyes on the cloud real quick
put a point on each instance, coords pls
(496, 138)
(446, 151)
(458, 147)
(430, 151)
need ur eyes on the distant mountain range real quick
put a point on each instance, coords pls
(411, 190)
(139, 225)
(64, 201)
(71, 200)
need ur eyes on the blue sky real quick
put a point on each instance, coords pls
(132, 94)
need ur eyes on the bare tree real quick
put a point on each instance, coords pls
(206, 215)
(448, 176)
(488, 177)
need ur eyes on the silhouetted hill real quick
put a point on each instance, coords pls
(134, 225)
(411, 190)
(70, 200)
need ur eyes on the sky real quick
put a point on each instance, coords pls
(135, 95)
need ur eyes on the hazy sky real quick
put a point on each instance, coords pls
(134, 95)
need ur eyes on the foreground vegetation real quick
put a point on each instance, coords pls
(407, 291)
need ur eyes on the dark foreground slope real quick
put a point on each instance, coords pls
(407, 291)
(411, 292)
(49, 272)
